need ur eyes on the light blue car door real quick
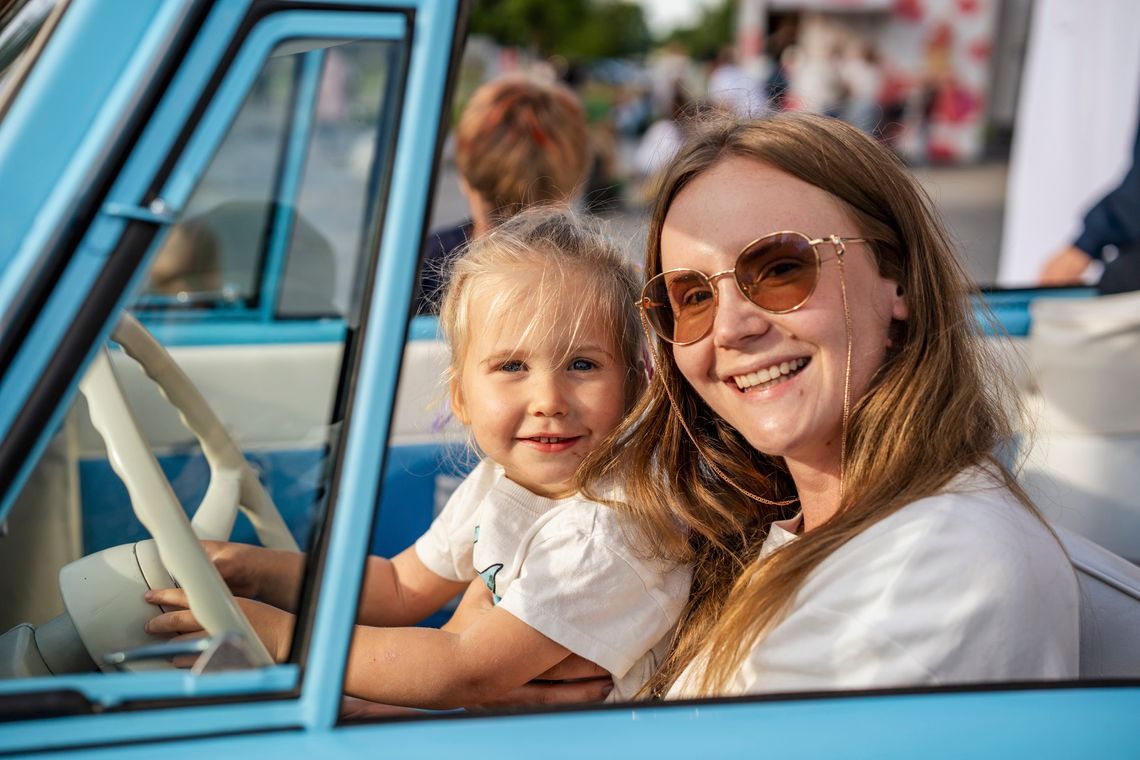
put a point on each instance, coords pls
(132, 143)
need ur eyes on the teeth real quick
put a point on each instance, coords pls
(775, 372)
(541, 439)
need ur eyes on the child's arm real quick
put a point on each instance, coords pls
(402, 590)
(416, 667)
(399, 591)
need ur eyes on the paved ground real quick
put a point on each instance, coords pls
(971, 200)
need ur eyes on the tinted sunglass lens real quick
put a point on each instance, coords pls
(778, 272)
(680, 305)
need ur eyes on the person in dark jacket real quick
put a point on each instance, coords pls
(1115, 221)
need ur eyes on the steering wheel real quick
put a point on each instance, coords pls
(233, 485)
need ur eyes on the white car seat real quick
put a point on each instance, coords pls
(1110, 609)
(1082, 466)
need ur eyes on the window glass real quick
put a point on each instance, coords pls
(340, 173)
(277, 225)
(217, 249)
(19, 25)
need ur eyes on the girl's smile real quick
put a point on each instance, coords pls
(538, 400)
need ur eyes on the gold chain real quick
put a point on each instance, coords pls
(840, 251)
(681, 418)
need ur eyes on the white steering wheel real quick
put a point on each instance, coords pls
(233, 485)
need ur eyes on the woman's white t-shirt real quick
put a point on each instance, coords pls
(962, 587)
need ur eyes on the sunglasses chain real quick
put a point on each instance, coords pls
(700, 450)
(840, 255)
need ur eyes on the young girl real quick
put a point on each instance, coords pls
(545, 362)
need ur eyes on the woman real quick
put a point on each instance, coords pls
(824, 424)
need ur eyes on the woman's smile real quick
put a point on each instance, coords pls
(769, 377)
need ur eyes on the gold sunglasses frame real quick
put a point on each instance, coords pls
(645, 303)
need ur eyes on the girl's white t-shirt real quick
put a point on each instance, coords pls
(565, 567)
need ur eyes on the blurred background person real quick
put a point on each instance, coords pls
(814, 84)
(732, 90)
(1076, 131)
(669, 69)
(1113, 221)
(660, 143)
(862, 80)
(519, 141)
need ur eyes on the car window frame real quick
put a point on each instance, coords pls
(412, 149)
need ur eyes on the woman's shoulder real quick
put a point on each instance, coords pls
(974, 506)
(970, 564)
(974, 528)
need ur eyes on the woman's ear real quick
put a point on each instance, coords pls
(899, 308)
(458, 407)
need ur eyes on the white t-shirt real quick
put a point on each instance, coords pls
(962, 587)
(563, 567)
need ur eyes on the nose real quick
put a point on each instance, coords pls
(737, 319)
(548, 397)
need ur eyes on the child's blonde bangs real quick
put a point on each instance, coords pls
(559, 269)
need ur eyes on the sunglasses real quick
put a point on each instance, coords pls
(777, 272)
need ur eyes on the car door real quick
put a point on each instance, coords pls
(272, 160)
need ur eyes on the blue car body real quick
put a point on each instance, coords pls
(104, 138)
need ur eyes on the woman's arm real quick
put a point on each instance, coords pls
(415, 667)
(424, 667)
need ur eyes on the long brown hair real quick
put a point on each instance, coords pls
(931, 410)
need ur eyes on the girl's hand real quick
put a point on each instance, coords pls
(476, 602)
(273, 626)
(236, 564)
(271, 575)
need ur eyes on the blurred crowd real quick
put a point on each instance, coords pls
(637, 110)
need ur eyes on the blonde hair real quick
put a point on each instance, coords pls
(937, 406)
(521, 141)
(569, 257)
